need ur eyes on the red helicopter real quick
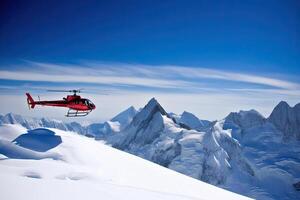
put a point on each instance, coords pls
(78, 107)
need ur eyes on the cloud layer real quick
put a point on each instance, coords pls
(209, 93)
(140, 75)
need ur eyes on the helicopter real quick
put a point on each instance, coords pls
(78, 107)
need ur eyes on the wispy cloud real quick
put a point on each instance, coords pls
(100, 79)
(232, 76)
(206, 92)
(119, 74)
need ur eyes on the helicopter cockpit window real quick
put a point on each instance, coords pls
(90, 103)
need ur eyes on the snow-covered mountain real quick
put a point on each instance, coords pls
(32, 123)
(287, 120)
(236, 153)
(101, 131)
(98, 130)
(274, 160)
(144, 128)
(245, 119)
(245, 152)
(54, 164)
(125, 117)
(192, 121)
(210, 156)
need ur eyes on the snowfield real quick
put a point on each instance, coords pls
(54, 164)
(245, 153)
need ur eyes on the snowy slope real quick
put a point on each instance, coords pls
(77, 167)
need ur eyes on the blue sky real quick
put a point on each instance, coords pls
(208, 57)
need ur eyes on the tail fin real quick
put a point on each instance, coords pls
(30, 100)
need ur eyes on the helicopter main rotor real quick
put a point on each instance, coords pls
(72, 91)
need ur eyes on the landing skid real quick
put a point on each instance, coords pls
(77, 113)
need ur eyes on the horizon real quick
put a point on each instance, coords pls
(207, 58)
(86, 123)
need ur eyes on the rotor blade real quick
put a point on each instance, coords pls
(73, 91)
(60, 90)
(78, 90)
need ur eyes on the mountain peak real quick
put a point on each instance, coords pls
(244, 119)
(152, 103)
(129, 111)
(280, 109)
(131, 108)
(125, 117)
(190, 120)
(10, 115)
(13, 118)
(145, 127)
(245, 113)
(283, 104)
(153, 106)
(186, 113)
(153, 100)
(286, 119)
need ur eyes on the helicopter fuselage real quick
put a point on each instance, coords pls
(73, 102)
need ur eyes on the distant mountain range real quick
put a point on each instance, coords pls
(244, 152)
(97, 130)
